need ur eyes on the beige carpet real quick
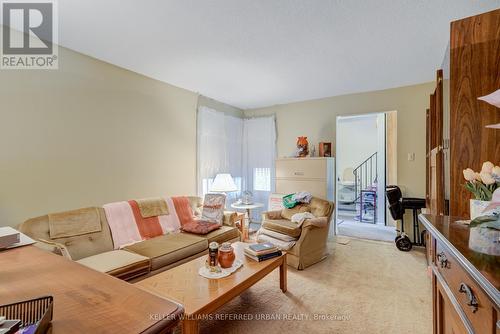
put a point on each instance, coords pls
(363, 287)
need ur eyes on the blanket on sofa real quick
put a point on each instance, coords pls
(183, 209)
(128, 226)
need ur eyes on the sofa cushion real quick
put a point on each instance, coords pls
(288, 213)
(283, 226)
(118, 263)
(169, 248)
(223, 234)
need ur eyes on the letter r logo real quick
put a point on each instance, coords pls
(35, 21)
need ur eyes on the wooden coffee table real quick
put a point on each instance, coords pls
(201, 296)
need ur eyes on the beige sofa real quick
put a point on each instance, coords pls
(311, 245)
(134, 262)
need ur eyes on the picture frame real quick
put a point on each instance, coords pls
(325, 149)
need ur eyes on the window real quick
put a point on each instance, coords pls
(262, 179)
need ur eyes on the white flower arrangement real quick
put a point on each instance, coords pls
(482, 184)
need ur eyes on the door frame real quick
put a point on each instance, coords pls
(337, 118)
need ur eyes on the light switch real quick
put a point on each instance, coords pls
(411, 156)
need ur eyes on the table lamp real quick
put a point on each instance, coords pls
(223, 183)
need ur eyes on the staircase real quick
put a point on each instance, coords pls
(365, 174)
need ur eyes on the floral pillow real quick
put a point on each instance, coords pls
(200, 226)
(213, 208)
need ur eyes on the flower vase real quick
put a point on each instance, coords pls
(477, 207)
(485, 240)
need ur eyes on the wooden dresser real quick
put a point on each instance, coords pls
(315, 175)
(465, 284)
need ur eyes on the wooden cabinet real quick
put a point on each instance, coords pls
(474, 72)
(466, 297)
(315, 175)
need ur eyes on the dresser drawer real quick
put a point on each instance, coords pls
(449, 320)
(301, 168)
(473, 301)
(316, 187)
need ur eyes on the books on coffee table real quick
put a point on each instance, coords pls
(262, 252)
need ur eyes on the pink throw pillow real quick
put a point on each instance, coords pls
(200, 227)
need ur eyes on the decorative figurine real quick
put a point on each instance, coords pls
(302, 147)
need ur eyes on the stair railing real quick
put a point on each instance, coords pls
(365, 174)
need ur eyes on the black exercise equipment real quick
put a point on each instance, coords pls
(397, 206)
(415, 204)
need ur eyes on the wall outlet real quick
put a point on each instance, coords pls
(411, 156)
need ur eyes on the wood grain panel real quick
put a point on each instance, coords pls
(435, 200)
(427, 158)
(475, 72)
(85, 301)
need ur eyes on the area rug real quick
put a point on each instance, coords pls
(362, 287)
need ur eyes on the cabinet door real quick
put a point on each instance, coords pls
(447, 319)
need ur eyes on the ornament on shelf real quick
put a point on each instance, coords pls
(302, 147)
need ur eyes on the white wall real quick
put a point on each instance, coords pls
(356, 140)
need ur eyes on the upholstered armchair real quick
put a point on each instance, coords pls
(306, 242)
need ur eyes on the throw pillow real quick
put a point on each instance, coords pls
(288, 213)
(199, 226)
(213, 208)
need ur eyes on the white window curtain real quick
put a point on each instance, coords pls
(245, 148)
(219, 149)
(259, 154)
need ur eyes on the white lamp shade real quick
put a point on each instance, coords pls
(223, 183)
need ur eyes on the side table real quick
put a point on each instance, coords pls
(247, 208)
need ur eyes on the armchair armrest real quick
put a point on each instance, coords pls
(271, 215)
(318, 222)
(229, 218)
(53, 247)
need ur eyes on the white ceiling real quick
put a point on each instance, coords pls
(254, 53)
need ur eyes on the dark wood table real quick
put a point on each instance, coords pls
(85, 301)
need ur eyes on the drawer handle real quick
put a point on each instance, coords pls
(298, 173)
(472, 301)
(443, 261)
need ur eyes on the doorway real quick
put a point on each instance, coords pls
(365, 164)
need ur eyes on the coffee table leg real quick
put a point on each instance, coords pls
(190, 326)
(283, 274)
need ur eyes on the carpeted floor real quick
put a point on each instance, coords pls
(352, 228)
(363, 287)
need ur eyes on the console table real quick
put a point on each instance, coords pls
(465, 283)
(85, 301)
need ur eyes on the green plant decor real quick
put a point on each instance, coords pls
(481, 191)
